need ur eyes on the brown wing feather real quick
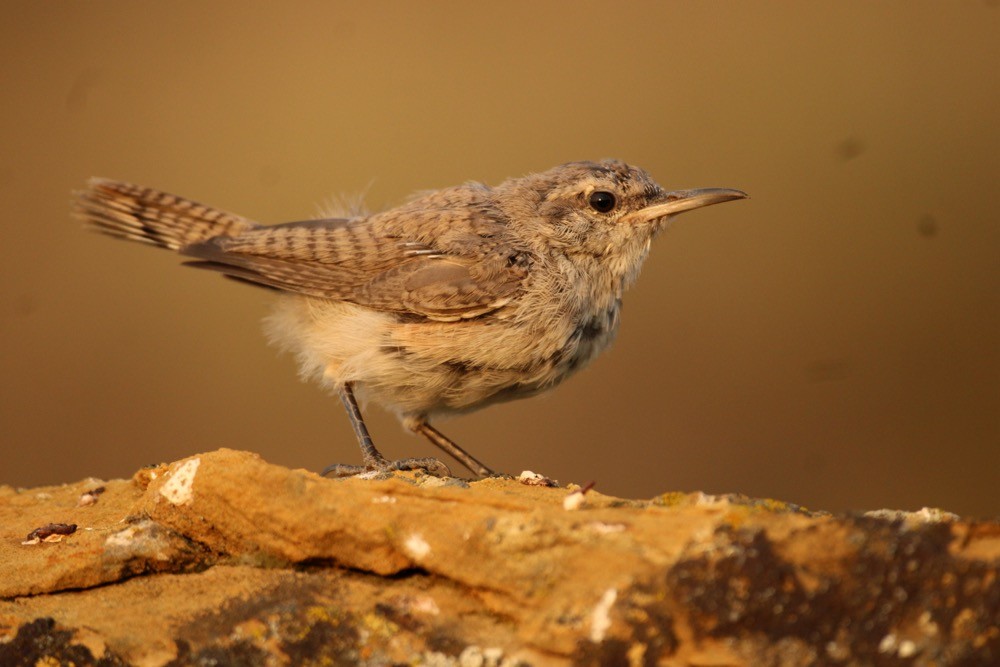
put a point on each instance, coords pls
(440, 255)
(369, 262)
(443, 288)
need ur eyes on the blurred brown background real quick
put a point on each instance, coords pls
(833, 341)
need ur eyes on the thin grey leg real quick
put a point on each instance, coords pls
(370, 455)
(373, 459)
(422, 426)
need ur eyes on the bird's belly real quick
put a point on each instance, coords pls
(421, 367)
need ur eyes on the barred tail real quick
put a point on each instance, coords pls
(150, 216)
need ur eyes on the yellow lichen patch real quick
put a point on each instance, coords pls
(671, 499)
(319, 614)
(254, 630)
(771, 505)
(378, 625)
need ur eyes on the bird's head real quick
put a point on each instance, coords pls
(608, 209)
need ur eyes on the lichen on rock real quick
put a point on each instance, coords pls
(236, 560)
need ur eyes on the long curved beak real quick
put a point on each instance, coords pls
(678, 201)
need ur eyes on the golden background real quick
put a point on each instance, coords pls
(834, 341)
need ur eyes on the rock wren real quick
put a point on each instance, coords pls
(457, 299)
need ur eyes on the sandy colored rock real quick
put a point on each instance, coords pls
(225, 557)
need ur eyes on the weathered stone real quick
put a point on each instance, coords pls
(223, 557)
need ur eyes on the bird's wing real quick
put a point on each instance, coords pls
(429, 266)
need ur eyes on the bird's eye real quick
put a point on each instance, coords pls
(602, 201)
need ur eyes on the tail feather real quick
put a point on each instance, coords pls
(150, 216)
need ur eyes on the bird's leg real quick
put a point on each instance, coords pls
(422, 426)
(373, 459)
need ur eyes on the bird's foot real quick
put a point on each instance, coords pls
(429, 465)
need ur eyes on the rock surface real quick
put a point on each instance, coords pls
(222, 558)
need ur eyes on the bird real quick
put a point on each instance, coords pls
(457, 299)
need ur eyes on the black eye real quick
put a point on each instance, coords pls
(602, 201)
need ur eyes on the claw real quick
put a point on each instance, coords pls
(429, 465)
